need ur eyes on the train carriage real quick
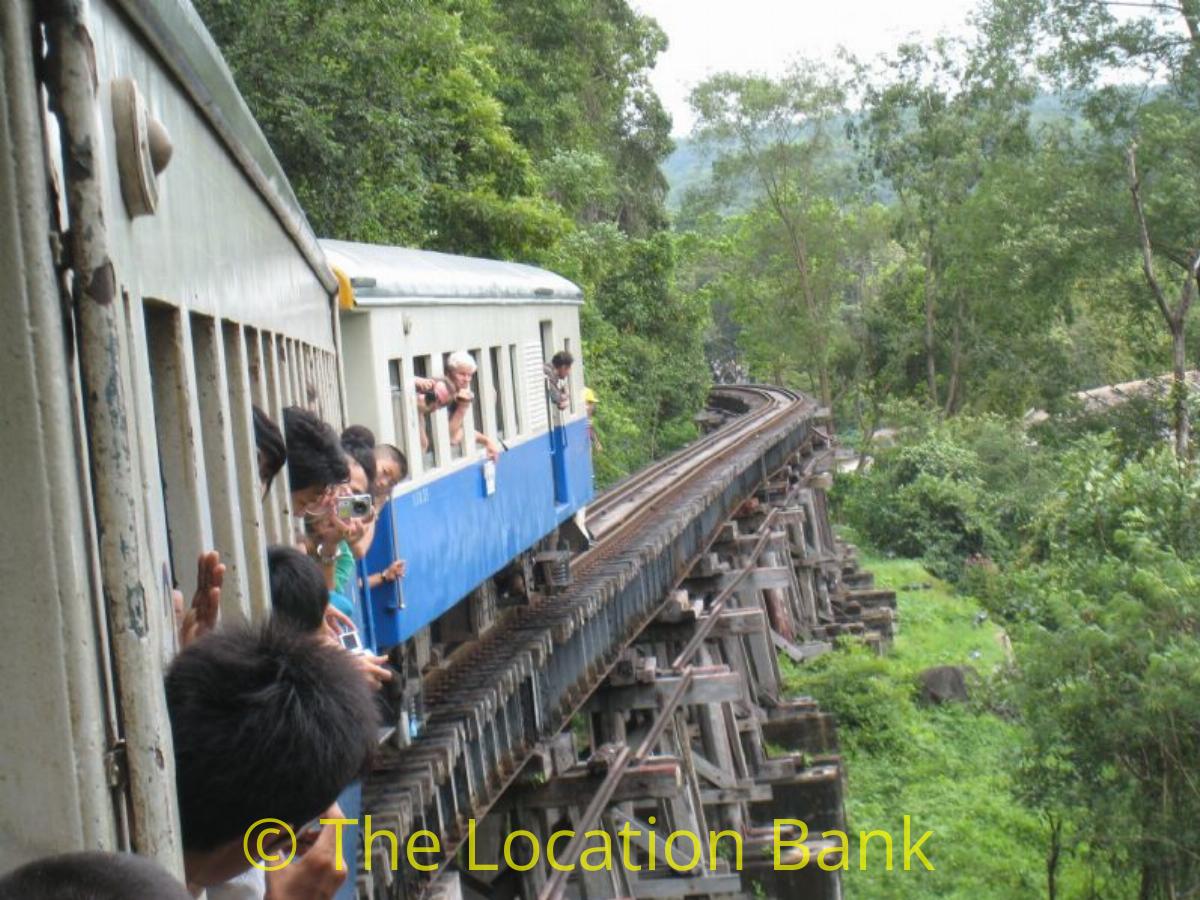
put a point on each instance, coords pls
(163, 278)
(458, 519)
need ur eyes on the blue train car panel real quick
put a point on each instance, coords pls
(454, 536)
(457, 520)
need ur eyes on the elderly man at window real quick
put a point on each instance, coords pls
(452, 393)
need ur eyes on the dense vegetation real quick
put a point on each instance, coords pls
(504, 128)
(937, 241)
(1085, 548)
(953, 769)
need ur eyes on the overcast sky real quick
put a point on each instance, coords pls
(710, 36)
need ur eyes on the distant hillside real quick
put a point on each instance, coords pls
(690, 164)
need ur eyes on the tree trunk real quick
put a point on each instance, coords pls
(1179, 390)
(1175, 317)
(1052, 857)
(955, 362)
(930, 362)
(826, 386)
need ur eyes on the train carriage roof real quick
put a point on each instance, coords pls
(376, 275)
(176, 33)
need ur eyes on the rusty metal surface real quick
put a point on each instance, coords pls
(126, 574)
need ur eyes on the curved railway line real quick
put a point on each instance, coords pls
(498, 702)
(645, 491)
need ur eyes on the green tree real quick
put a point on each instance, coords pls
(573, 78)
(772, 133)
(382, 117)
(1107, 682)
(932, 124)
(643, 341)
(1147, 132)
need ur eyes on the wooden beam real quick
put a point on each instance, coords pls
(656, 779)
(711, 687)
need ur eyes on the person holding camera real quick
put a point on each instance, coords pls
(452, 392)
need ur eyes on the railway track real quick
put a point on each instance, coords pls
(520, 683)
(642, 493)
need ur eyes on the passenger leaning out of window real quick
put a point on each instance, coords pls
(316, 462)
(557, 371)
(452, 393)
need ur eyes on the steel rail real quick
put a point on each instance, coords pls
(470, 688)
(683, 461)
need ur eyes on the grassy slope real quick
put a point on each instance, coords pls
(948, 768)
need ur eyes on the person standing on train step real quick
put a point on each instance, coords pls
(589, 407)
(557, 372)
(452, 393)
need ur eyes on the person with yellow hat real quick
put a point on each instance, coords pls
(589, 405)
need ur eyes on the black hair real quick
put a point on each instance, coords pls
(314, 453)
(299, 594)
(267, 722)
(365, 457)
(91, 876)
(359, 443)
(395, 455)
(358, 434)
(272, 451)
(560, 359)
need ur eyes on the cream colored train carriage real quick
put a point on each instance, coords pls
(161, 279)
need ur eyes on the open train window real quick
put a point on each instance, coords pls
(456, 448)
(474, 422)
(173, 387)
(402, 405)
(514, 371)
(477, 406)
(570, 378)
(498, 392)
(422, 368)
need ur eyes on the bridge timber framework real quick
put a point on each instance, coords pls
(646, 695)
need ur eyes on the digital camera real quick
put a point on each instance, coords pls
(354, 506)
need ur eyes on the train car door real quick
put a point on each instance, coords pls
(558, 434)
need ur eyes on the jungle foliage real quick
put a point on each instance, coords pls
(984, 224)
(508, 129)
(965, 263)
(1086, 551)
(938, 241)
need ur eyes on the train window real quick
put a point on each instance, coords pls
(514, 371)
(477, 406)
(475, 423)
(250, 507)
(570, 378)
(546, 328)
(262, 376)
(172, 382)
(433, 429)
(222, 465)
(400, 409)
(456, 449)
(498, 392)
